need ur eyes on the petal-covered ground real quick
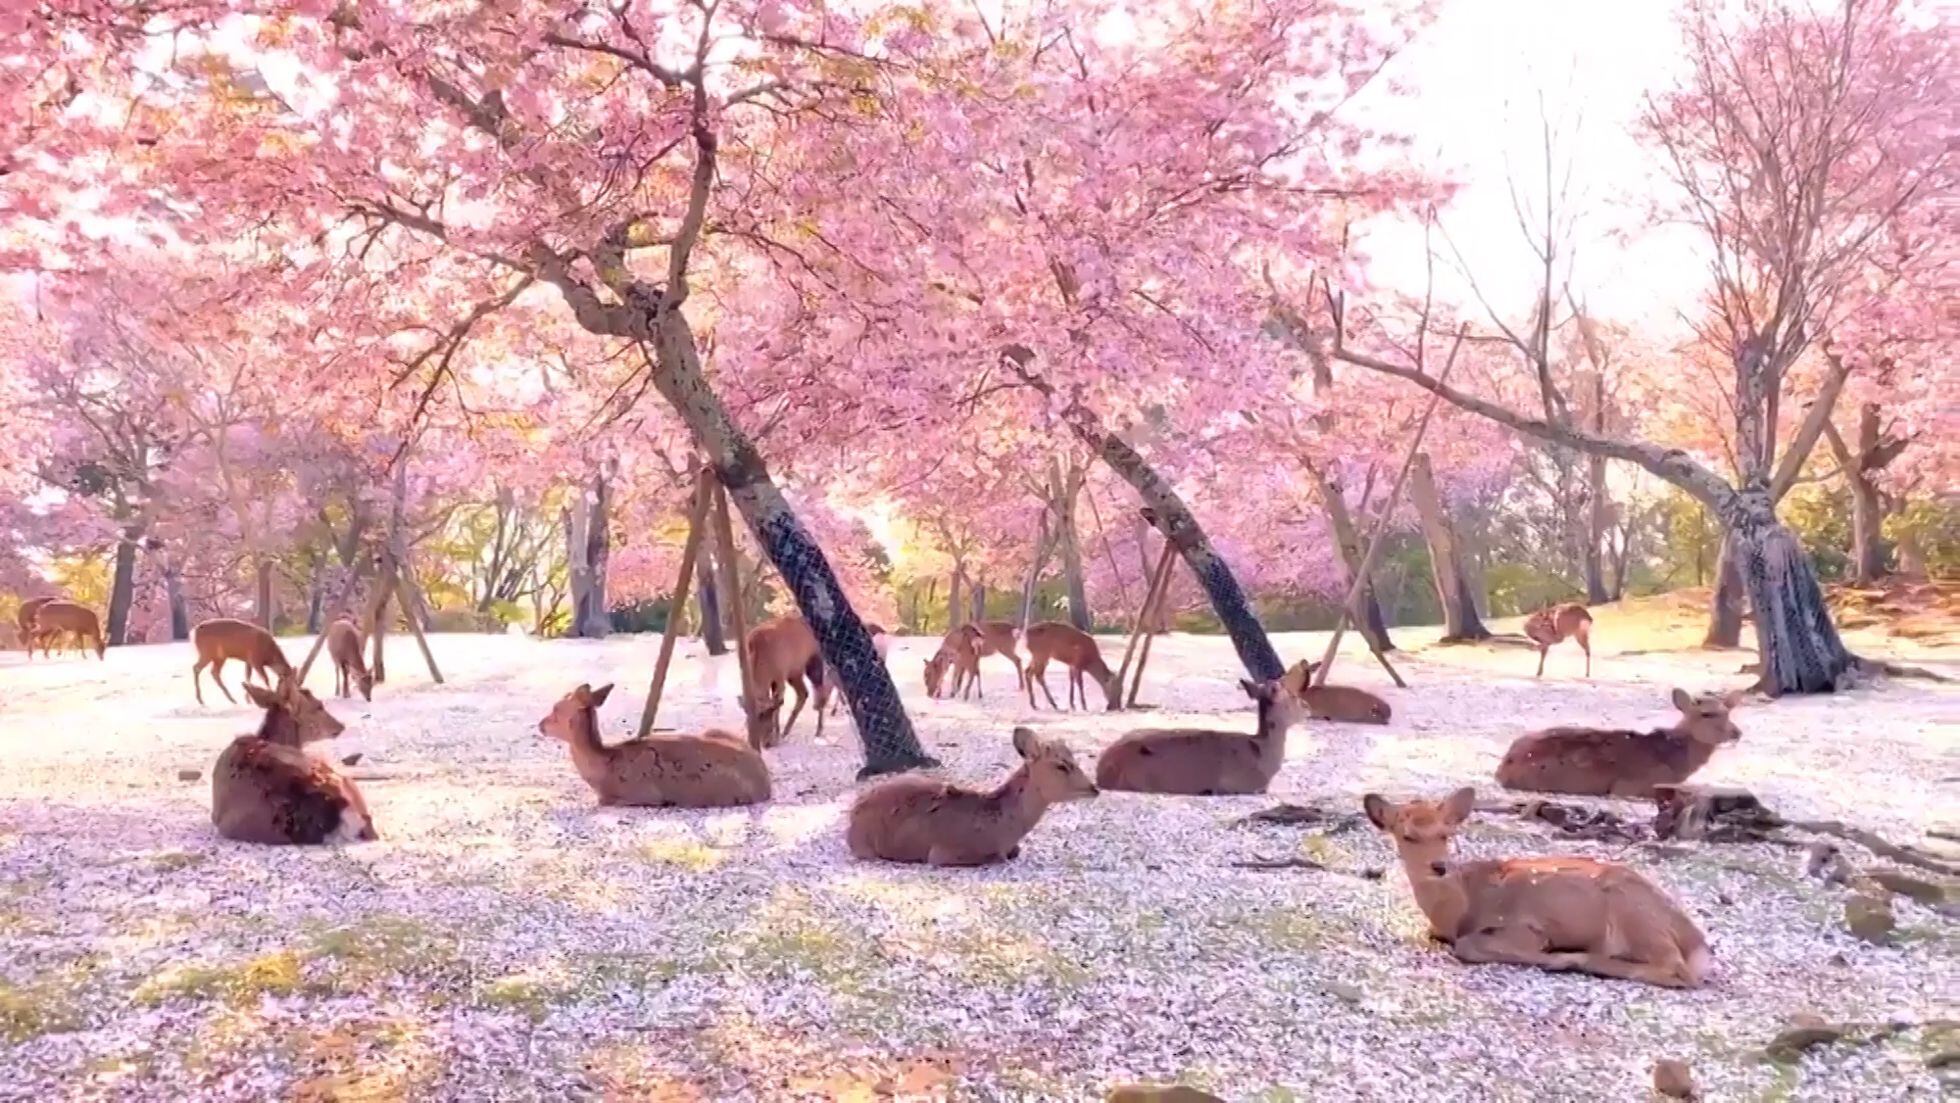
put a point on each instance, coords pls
(510, 940)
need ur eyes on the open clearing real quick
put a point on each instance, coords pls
(509, 940)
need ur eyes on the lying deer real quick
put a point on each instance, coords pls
(1557, 624)
(57, 618)
(1599, 762)
(914, 818)
(1344, 703)
(1051, 640)
(267, 789)
(223, 638)
(1205, 763)
(783, 652)
(24, 620)
(1563, 914)
(714, 770)
(344, 648)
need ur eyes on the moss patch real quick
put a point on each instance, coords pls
(684, 854)
(235, 983)
(33, 1010)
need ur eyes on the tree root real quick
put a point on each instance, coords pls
(1366, 873)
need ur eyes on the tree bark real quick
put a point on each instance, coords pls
(1725, 604)
(1044, 545)
(955, 606)
(588, 549)
(1073, 581)
(1172, 518)
(1348, 540)
(883, 727)
(1453, 591)
(316, 595)
(1597, 509)
(262, 593)
(707, 600)
(122, 586)
(978, 602)
(1800, 647)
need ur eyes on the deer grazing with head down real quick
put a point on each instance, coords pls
(1343, 703)
(1051, 640)
(716, 769)
(1563, 914)
(914, 818)
(24, 620)
(1549, 627)
(223, 638)
(267, 789)
(58, 618)
(1205, 763)
(964, 647)
(349, 669)
(1604, 762)
(782, 654)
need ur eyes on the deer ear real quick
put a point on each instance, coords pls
(1682, 701)
(1734, 697)
(599, 695)
(1025, 742)
(264, 698)
(1459, 805)
(1378, 809)
(1255, 690)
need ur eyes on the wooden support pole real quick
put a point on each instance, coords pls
(405, 589)
(697, 527)
(1367, 566)
(732, 582)
(313, 653)
(1153, 600)
(377, 619)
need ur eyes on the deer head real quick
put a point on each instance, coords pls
(1052, 769)
(1421, 828)
(570, 713)
(293, 714)
(1705, 717)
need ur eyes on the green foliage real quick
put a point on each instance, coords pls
(642, 616)
(84, 578)
(1821, 518)
(1930, 526)
(1518, 588)
(1691, 540)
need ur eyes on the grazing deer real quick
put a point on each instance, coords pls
(56, 617)
(1600, 762)
(1557, 624)
(783, 652)
(713, 770)
(1078, 651)
(223, 638)
(267, 789)
(1205, 763)
(914, 818)
(344, 648)
(963, 649)
(24, 619)
(1344, 703)
(1563, 914)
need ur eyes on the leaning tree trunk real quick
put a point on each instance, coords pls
(1348, 540)
(1597, 509)
(122, 586)
(1800, 648)
(1725, 604)
(883, 728)
(707, 600)
(1453, 589)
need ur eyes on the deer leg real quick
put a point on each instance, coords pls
(1020, 675)
(217, 670)
(1515, 946)
(1042, 676)
(1585, 644)
(1665, 974)
(977, 687)
(1541, 662)
(802, 694)
(197, 683)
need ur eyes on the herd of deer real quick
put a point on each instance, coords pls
(1571, 914)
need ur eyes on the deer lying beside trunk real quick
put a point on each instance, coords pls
(1344, 703)
(1597, 762)
(1548, 627)
(1051, 639)
(914, 818)
(223, 638)
(716, 769)
(344, 648)
(58, 618)
(1563, 914)
(267, 789)
(1205, 763)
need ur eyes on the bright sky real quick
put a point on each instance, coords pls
(1480, 71)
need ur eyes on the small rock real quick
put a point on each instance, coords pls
(352, 759)
(1807, 1031)
(1347, 993)
(189, 775)
(1673, 1079)
(1725, 899)
(1868, 916)
(1159, 1093)
(1840, 961)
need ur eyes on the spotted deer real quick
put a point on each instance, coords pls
(59, 618)
(1604, 762)
(1344, 703)
(1549, 627)
(1562, 914)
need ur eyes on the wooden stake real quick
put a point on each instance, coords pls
(1143, 612)
(1381, 530)
(697, 527)
(319, 641)
(732, 582)
(405, 588)
(377, 619)
(1153, 601)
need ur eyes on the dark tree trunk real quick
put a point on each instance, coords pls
(262, 593)
(1867, 536)
(1799, 646)
(122, 586)
(588, 536)
(707, 600)
(1347, 539)
(955, 607)
(1453, 590)
(1044, 545)
(1073, 581)
(978, 603)
(1597, 515)
(883, 728)
(316, 595)
(180, 613)
(1725, 606)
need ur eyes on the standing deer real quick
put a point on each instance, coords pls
(56, 617)
(713, 770)
(1051, 640)
(223, 638)
(914, 818)
(344, 649)
(783, 652)
(1557, 624)
(267, 789)
(1563, 914)
(1345, 703)
(24, 619)
(1602, 762)
(961, 651)
(1205, 763)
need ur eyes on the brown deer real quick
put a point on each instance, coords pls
(914, 818)
(1557, 624)
(783, 652)
(1051, 640)
(1563, 914)
(57, 617)
(1205, 763)
(714, 770)
(223, 638)
(963, 649)
(267, 789)
(1600, 762)
(24, 619)
(344, 648)
(1343, 703)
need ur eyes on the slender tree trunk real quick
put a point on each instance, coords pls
(978, 602)
(1044, 545)
(955, 607)
(1867, 521)
(883, 727)
(707, 600)
(122, 585)
(1347, 539)
(1599, 507)
(1725, 605)
(1453, 591)
(262, 593)
(1074, 582)
(180, 613)
(316, 595)
(588, 547)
